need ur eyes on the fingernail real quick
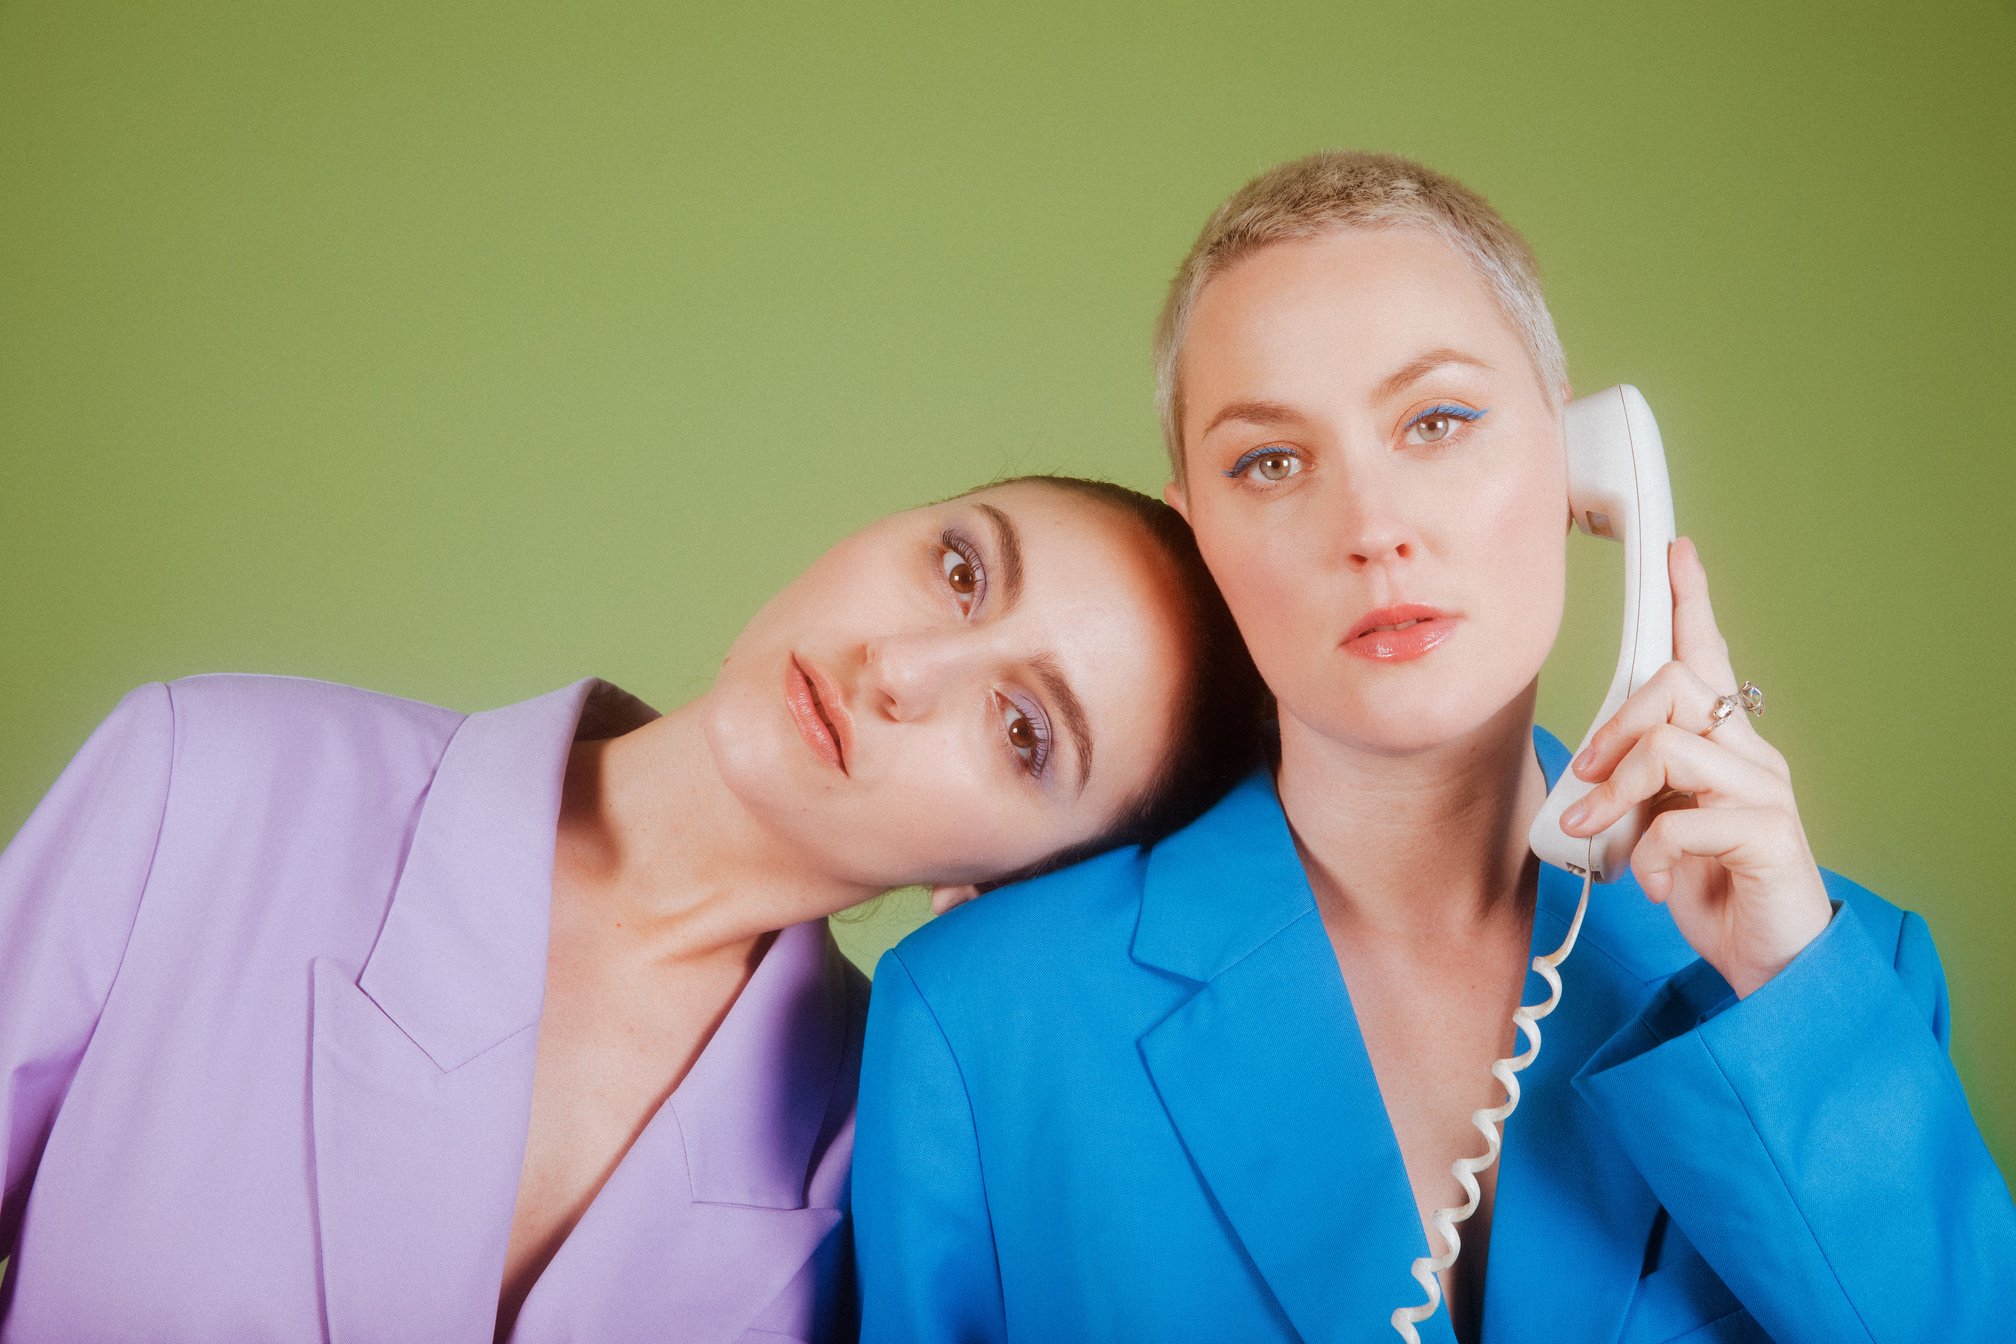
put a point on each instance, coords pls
(1580, 765)
(1573, 816)
(1656, 885)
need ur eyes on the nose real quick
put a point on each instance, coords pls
(1373, 524)
(906, 676)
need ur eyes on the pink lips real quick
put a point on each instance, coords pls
(819, 712)
(1399, 634)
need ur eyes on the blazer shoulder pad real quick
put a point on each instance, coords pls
(248, 721)
(1043, 919)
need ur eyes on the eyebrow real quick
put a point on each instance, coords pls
(1008, 542)
(1272, 413)
(1073, 713)
(1254, 413)
(1416, 369)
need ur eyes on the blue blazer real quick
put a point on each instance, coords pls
(1129, 1101)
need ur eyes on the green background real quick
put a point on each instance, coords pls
(461, 349)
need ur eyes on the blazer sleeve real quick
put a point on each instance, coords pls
(1813, 1142)
(923, 1238)
(70, 887)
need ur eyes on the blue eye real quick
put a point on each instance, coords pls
(1271, 463)
(1028, 733)
(959, 564)
(1436, 423)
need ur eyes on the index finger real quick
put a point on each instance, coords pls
(1697, 640)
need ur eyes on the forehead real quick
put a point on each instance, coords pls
(1344, 305)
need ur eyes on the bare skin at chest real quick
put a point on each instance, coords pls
(618, 1033)
(1434, 1019)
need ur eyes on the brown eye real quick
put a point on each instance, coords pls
(1440, 423)
(1272, 465)
(962, 573)
(1028, 734)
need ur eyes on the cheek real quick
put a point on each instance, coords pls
(1523, 548)
(946, 811)
(1263, 573)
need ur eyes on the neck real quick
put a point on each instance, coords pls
(1423, 845)
(654, 843)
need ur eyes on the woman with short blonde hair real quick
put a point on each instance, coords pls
(1239, 1085)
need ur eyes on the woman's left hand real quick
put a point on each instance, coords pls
(1732, 863)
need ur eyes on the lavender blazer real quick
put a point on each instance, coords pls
(272, 955)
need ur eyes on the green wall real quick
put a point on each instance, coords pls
(463, 349)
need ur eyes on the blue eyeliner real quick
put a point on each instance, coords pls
(1254, 455)
(1464, 413)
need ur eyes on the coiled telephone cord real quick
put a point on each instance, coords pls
(1487, 1120)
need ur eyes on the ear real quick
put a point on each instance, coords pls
(944, 898)
(1177, 498)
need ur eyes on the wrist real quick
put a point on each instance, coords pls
(1791, 938)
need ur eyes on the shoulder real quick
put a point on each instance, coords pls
(1031, 960)
(1046, 930)
(250, 703)
(250, 720)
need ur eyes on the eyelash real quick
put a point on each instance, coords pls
(1468, 415)
(1031, 713)
(1239, 469)
(953, 542)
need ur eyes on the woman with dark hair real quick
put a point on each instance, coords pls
(326, 1013)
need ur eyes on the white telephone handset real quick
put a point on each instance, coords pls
(1617, 488)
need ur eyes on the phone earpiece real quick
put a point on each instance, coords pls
(1617, 490)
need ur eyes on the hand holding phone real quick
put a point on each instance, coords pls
(1732, 864)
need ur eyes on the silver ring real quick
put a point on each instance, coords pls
(1749, 697)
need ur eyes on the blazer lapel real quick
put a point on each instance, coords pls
(737, 1182)
(1265, 1077)
(416, 1172)
(1264, 1074)
(649, 1261)
(420, 1077)
(1572, 1215)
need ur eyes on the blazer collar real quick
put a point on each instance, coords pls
(1266, 1079)
(461, 961)
(1231, 880)
(755, 1104)
(736, 1185)
(1222, 885)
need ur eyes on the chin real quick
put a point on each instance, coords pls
(1429, 714)
(755, 758)
(1397, 731)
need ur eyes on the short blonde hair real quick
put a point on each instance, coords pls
(1345, 189)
